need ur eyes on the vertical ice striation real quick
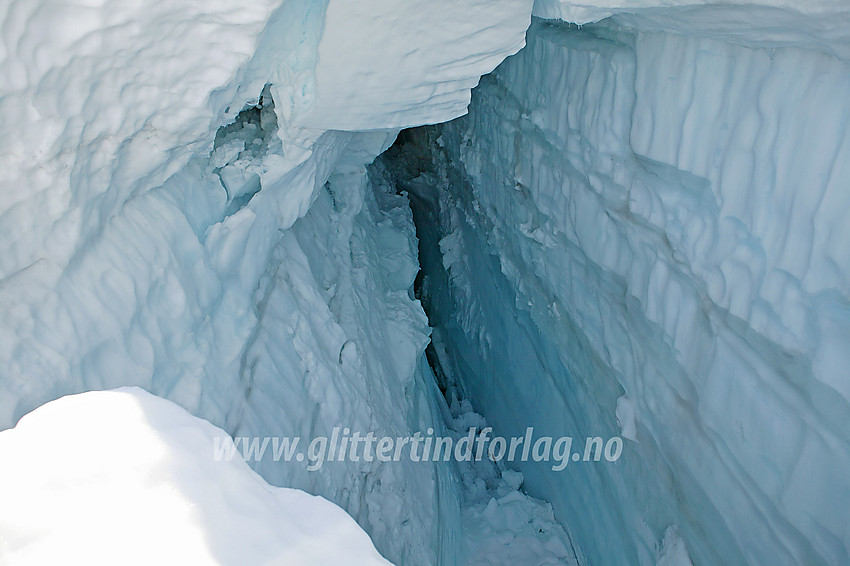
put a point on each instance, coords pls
(646, 233)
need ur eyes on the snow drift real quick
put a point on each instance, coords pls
(123, 477)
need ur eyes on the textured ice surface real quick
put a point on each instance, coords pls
(647, 235)
(123, 477)
(119, 263)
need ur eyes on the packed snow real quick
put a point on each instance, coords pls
(124, 477)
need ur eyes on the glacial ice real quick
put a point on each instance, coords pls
(638, 230)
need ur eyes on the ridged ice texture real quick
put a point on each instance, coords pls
(135, 252)
(670, 213)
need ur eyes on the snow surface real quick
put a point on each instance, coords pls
(124, 477)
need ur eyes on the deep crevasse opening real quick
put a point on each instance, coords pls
(637, 230)
(500, 523)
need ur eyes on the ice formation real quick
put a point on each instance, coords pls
(637, 230)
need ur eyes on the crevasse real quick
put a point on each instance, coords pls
(637, 229)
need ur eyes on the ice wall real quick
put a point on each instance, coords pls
(645, 233)
(184, 207)
(155, 226)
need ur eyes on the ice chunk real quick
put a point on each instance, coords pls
(661, 213)
(626, 418)
(673, 551)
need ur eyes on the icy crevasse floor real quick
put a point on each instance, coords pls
(502, 525)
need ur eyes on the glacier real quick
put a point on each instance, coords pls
(622, 218)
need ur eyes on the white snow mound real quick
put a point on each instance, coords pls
(124, 477)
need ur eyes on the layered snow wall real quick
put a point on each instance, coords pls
(645, 233)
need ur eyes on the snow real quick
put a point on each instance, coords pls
(625, 414)
(501, 524)
(124, 477)
(431, 54)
